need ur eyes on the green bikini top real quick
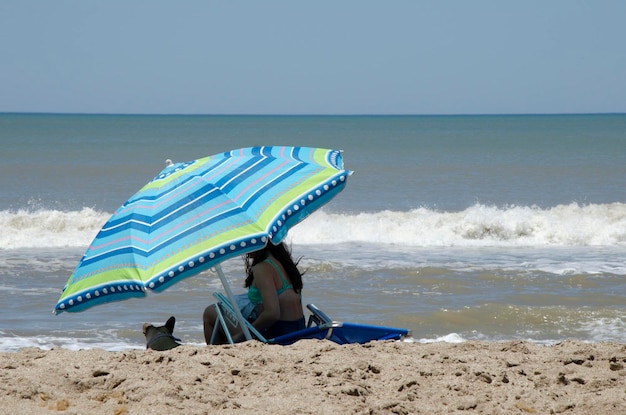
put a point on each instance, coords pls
(254, 295)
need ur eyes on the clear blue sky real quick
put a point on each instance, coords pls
(313, 57)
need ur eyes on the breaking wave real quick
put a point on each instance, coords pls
(49, 228)
(476, 226)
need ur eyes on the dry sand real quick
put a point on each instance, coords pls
(318, 377)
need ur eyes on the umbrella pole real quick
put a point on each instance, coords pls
(233, 302)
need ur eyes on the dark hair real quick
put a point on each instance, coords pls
(282, 255)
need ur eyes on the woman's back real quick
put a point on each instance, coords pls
(290, 303)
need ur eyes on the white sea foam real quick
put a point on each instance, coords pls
(49, 228)
(11, 343)
(476, 226)
(449, 338)
(605, 329)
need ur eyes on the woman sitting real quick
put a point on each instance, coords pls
(274, 293)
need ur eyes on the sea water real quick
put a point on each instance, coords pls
(456, 227)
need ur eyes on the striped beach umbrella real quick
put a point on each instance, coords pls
(196, 214)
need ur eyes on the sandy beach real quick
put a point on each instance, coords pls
(319, 377)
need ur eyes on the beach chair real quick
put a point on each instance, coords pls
(319, 326)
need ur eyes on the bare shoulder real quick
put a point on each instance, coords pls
(263, 270)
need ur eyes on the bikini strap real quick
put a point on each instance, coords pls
(285, 285)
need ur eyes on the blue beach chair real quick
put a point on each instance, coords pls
(319, 326)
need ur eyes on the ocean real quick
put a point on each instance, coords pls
(493, 227)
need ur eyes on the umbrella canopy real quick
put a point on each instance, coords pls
(196, 214)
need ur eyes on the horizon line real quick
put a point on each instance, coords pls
(311, 114)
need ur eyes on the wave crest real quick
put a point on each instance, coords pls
(476, 226)
(44, 228)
